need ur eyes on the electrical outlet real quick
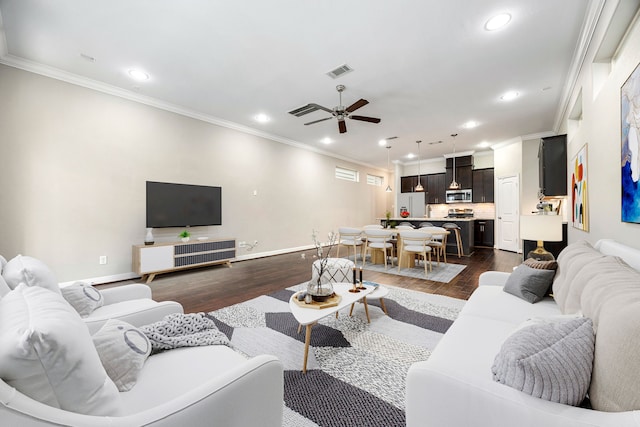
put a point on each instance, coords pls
(103, 259)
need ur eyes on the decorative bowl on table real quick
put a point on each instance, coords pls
(404, 214)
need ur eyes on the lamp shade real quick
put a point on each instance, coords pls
(546, 228)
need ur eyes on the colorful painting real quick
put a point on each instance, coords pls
(579, 212)
(630, 153)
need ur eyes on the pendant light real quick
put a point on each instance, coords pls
(454, 185)
(419, 187)
(388, 190)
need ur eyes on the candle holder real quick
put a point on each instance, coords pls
(361, 285)
(354, 289)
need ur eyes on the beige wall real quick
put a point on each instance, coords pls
(75, 162)
(600, 129)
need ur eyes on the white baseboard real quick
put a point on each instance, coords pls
(131, 275)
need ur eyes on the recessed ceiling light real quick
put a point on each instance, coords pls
(470, 124)
(326, 140)
(510, 96)
(382, 143)
(410, 156)
(484, 144)
(262, 118)
(497, 22)
(138, 75)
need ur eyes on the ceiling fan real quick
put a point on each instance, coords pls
(338, 112)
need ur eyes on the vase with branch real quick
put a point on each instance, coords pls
(319, 289)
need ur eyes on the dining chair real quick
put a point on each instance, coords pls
(406, 224)
(350, 237)
(438, 241)
(375, 226)
(404, 227)
(425, 224)
(378, 240)
(413, 243)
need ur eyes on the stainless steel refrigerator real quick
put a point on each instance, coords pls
(415, 203)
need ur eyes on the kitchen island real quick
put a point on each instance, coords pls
(466, 230)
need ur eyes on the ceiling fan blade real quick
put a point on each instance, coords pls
(358, 104)
(365, 119)
(309, 108)
(318, 121)
(342, 126)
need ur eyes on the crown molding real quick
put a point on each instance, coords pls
(57, 74)
(592, 18)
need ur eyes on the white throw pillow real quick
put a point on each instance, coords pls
(123, 349)
(30, 271)
(83, 297)
(46, 353)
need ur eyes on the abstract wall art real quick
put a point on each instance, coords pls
(630, 142)
(579, 212)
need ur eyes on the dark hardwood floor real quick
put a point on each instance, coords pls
(210, 288)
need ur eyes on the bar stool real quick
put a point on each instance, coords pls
(452, 227)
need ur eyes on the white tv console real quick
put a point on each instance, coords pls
(149, 260)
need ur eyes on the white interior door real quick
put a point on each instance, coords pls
(508, 213)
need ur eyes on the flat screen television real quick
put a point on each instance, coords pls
(183, 205)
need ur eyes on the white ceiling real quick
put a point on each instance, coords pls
(425, 66)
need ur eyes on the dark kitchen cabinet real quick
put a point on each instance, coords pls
(408, 183)
(463, 176)
(552, 165)
(483, 234)
(483, 185)
(460, 161)
(464, 166)
(436, 186)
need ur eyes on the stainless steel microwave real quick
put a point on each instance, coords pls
(458, 196)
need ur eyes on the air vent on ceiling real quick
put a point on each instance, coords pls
(343, 69)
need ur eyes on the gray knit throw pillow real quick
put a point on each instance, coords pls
(550, 360)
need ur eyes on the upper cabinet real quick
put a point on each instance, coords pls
(436, 186)
(552, 164)
(464, 165)
(408, 183)
(483, 186)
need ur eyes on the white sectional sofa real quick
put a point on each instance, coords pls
(455, 386)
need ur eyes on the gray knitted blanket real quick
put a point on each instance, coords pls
(183, 330)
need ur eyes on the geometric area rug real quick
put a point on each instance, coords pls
(356, 370)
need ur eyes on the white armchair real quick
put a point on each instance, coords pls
(132, 304)
(194, 386)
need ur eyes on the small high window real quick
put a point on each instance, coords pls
(347, 174)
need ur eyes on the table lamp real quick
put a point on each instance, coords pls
(541, 228)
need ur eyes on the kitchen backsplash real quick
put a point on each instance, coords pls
(480, 210)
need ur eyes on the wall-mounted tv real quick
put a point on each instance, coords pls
(183, 205)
